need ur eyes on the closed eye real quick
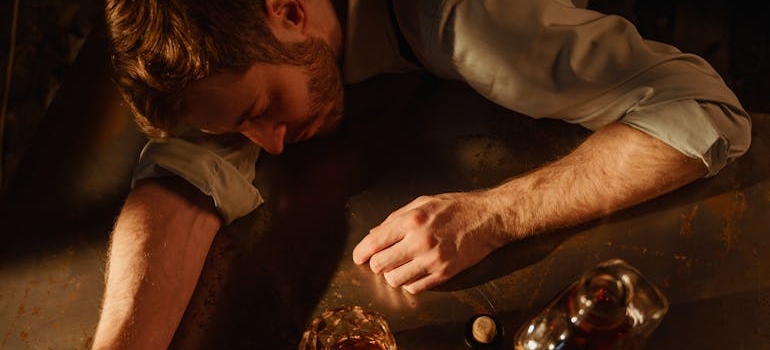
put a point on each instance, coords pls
(253, 112)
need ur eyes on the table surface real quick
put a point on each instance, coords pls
(705, 245)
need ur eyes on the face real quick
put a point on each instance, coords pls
(271, 104)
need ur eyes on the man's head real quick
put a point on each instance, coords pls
(165, 54)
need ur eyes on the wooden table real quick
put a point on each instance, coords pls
(705, 245)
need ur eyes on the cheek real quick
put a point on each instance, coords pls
(293, 106)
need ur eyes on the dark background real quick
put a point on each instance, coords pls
(733, 36)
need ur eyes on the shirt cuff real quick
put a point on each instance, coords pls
(224, 171)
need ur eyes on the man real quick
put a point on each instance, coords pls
(213, 82)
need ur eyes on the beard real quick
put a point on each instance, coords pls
(325, 88)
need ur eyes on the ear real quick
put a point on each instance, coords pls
(287, 19)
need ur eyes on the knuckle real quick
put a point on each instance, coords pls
(417, 218)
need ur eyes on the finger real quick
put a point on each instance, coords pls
(379, 238)
(424, 283)
(390, 258)
(408, 272)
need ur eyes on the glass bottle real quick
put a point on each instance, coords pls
(609, 307)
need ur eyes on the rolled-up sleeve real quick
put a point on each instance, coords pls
(549, 59)
(219, 166)
(709, 132)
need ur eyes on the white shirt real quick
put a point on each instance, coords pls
(542, 58)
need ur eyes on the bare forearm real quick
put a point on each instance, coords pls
(616, 167)
(431, 239)
(158, 248)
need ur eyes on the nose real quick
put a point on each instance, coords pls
(269, 136)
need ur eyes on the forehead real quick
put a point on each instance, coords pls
(225, 96)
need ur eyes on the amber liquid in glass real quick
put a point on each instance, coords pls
(595, 332)
(357, 344)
